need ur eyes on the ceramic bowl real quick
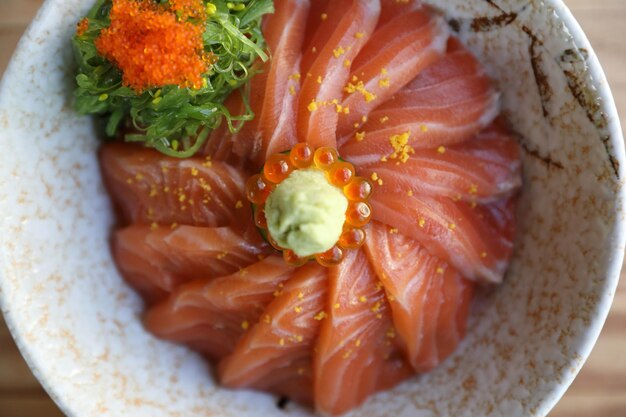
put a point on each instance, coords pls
(77, 323)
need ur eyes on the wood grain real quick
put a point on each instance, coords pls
(599, 390)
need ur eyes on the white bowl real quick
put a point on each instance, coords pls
(77, 323)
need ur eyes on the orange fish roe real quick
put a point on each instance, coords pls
(82, 27)
(155, 45)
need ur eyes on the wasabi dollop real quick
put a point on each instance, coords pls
(305, 213)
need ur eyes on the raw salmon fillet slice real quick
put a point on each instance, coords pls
(429, 300)
(463, 234)
(157, 260)
(396, 53)
(483, 169)
(390, 9)
(447, 103)
(326, 67)
(274, 90)
(356, 354)
(318, 13)
(149, 187)
(209, 314)
(275, 354)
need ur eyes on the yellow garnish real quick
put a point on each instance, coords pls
(383, 83)
(359, 87)
(441, 149)
(338, 51)
(401, 147)
(312, 106)
(320, 316)
(359, 136)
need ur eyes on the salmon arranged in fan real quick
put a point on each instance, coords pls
(385, 84)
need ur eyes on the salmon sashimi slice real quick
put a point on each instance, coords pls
(275, 354)
(429, 300)
(356, 355)
(396, 53)
(447, 103)
(390, 9)
(482, 169)
(464, 234)
(156, 260)
(150, 187)
(318, 13)
(326, 68)
(274, 89)
(210, 314)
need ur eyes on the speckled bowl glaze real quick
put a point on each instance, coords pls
(77, 323)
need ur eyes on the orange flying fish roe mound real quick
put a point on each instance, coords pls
(156, 44)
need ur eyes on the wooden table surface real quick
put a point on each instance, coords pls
(599, 390)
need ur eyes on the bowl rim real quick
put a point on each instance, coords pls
(616, 259)
(614, 267)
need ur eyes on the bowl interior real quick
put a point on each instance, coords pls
(78, 324)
